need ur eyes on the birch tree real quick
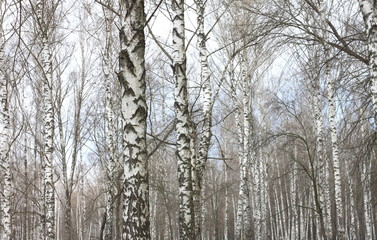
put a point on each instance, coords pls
(320, 159)
(207, 114)
(6, 194)
(245, 162)
(366, 179)
(243, 130)
(134, 114)
(186, 208)
(369, 11)
(324, 195)
(335, 155)
(45, 61)
(110, 148)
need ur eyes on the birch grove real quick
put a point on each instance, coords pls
(188, 119)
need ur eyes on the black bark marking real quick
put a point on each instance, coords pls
(124, 58)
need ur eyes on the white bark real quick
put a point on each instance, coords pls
(264, 201)
(226, 211)
(243, 230)
(335, 155)
(239, 210)
(257, 195)
(246, 152)
(134, 114)
(207, 113)
(365, 178)
(207, 90)
(326, 192)
(186, 208)
(324, 172)
(295, 220)
(282, 230)
(369, 11)
(110, 130)
(46, 64)
(196, 181)
(6, 195)
(319, 163)
(352, 209)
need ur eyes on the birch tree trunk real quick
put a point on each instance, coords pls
(246, 152)
(46, 64)
(264, 201)
(295, 220)
(134, 114)
(352, 209)
(365, 177)
(365, 180)
(207, 112)
(6, 211)
(186, 208)
(335, 155)
(110, 148)
(369, 11)
(226, 207)
(324, 171)
(243, 225)
(319, 161)
(196, 180)
(257, 196)
(239, 212)
(317, 164)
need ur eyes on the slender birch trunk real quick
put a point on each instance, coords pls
(134, 114)
(264, 202)
(257, 195)
(352, 209)
(46, 64)
(365, 180)
(226, 211)
(239, 212)
(323, 170)
(27, 228)
(246, 151)
(110, 148)
(295, 220)
(369, 11)
(243, 225)
(196, 181)
(186, 208)
(207, 112)
(6, 210)
(317, 163)
(326, 192)
(335, 155)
